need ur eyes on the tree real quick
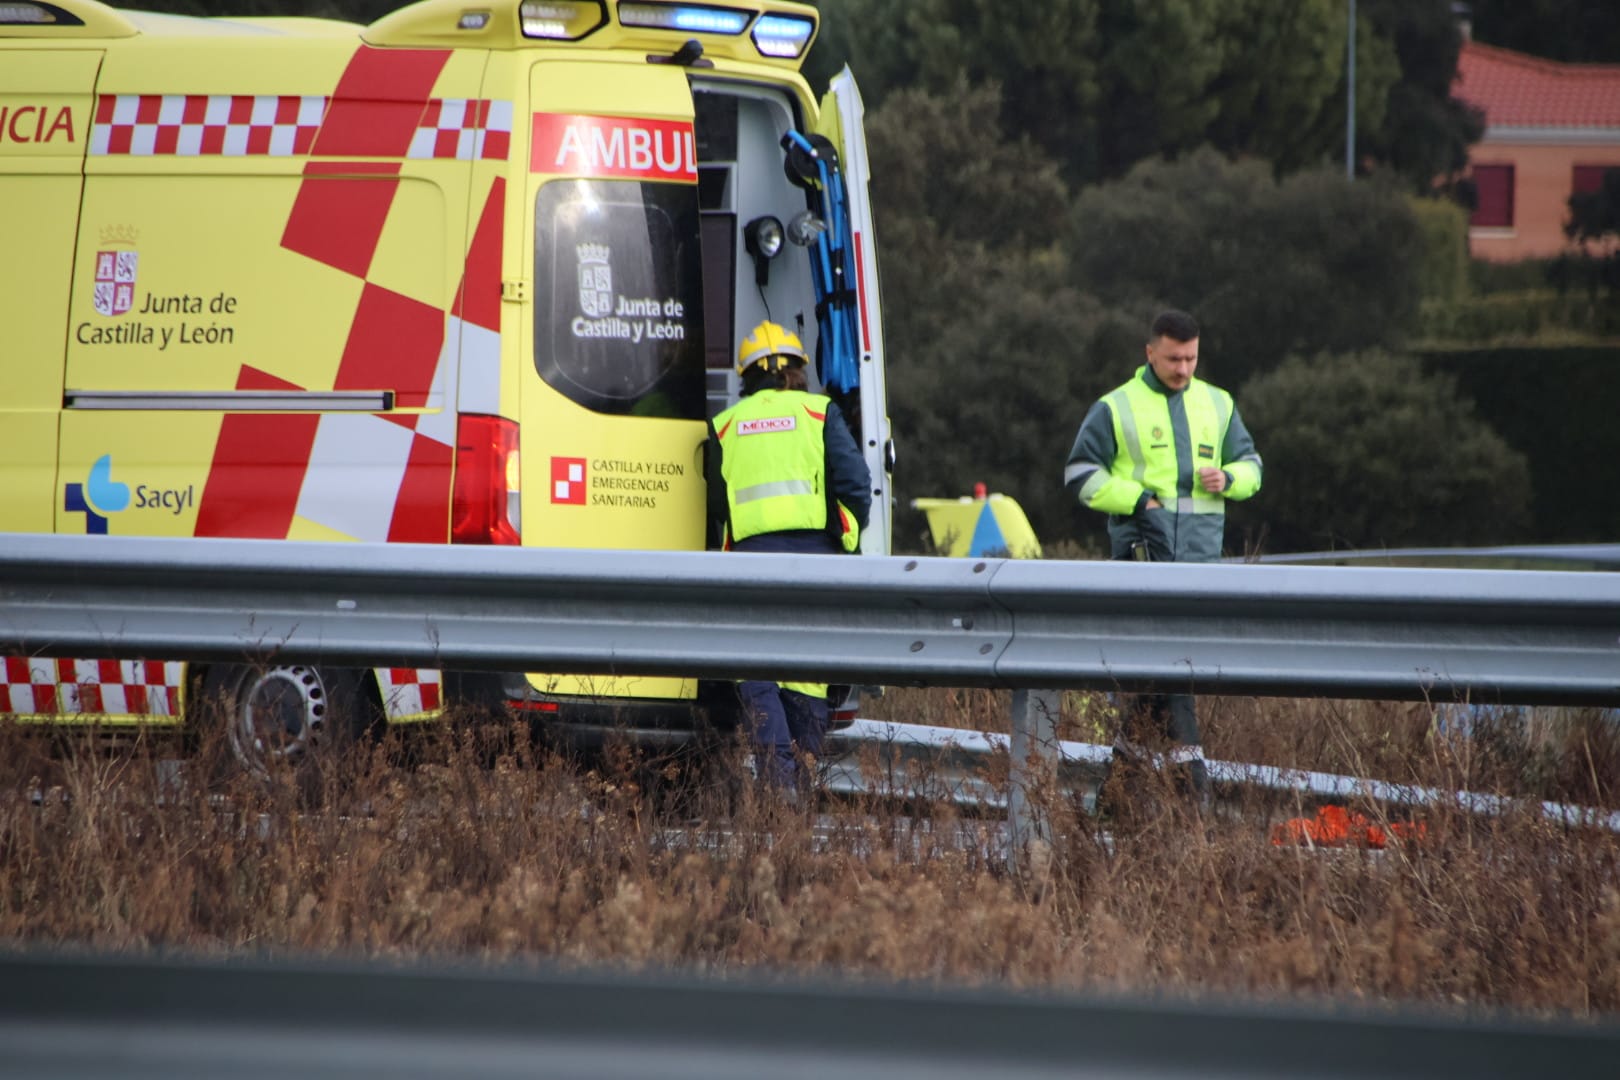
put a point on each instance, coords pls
(1594, 216)
(1426, 132)
(992, 354)
(1574, 31)
(1035, 52)
(1310, 263)
(1594, 224)
(1282, 90)
(1366, 450)
(1103, 84)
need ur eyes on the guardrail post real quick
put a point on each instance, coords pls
(1034, 769)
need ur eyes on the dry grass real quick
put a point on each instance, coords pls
(486, 847)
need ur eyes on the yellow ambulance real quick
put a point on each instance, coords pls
(472, 274)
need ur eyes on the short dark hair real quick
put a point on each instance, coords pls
(1175, 325)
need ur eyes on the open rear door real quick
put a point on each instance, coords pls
(842, 121)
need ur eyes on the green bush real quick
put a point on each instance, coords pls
(1313, 263)
(1556, 406)
(1368, 450)
(1443, 225)
(1488, 276)
(1526, 317)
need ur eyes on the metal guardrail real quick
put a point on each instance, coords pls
(955, 765)
(1522, 636)
(1518, 557)
(66, 1016)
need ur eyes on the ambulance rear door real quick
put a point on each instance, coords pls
(843, 122)
(611, 351)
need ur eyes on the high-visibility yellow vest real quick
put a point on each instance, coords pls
(1145, 444)
(773, 458)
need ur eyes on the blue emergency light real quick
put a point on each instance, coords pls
(783, 36)
(693, 18)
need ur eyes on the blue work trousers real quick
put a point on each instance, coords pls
(781, 722)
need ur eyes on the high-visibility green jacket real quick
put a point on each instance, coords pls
(1142, 440)
(774, 455)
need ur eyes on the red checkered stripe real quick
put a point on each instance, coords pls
(188, 125)
(281, 125)
(30, 686)
(409, 693)
(466, 129)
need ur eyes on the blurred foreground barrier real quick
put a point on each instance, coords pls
(1521, 636)
(64, 1017)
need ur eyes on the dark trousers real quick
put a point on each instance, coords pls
(1152, 720)
(1162, 730)
(781, 722)
(778, 720)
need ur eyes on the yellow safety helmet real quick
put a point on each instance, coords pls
(770, 346)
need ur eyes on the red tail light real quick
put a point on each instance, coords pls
(487, 506)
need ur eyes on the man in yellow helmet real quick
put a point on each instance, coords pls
(1161, 455)
(784, 475)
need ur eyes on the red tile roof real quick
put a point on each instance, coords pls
(1520, 91)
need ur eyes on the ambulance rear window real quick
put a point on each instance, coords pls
(618, 308)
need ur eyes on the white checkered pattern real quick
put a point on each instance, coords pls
(195, 124)
(240, 125)
(409, 693)
(466, 129)
(32, 687)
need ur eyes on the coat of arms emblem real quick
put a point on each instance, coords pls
(595, 280)
(115, 281)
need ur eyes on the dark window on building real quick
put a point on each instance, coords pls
(1494, 206)
(1588, 179)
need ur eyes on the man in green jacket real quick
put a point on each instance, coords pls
(1161, 455)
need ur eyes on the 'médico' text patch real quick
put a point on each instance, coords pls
(769, 423)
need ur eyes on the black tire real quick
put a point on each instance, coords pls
(281, 716)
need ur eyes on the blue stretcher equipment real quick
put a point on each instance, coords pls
(812, 163)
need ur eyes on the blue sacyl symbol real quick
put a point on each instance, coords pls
(98, 496)
(106, 494)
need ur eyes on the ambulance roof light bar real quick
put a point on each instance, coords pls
(776, 31)
(691, 18)
(561, 20)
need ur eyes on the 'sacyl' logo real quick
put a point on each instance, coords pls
(97, 497)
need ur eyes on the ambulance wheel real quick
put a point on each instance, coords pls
(287, 715)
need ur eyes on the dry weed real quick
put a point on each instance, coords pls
(479, 843)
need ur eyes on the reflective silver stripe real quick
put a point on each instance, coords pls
(232, 400)
(1089, 489)
(772, 489)
(1200, 504)
(1120, 402)
(1075, 472)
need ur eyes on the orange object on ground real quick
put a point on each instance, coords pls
(1337, 826)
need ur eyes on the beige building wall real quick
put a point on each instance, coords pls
(1543, 175)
